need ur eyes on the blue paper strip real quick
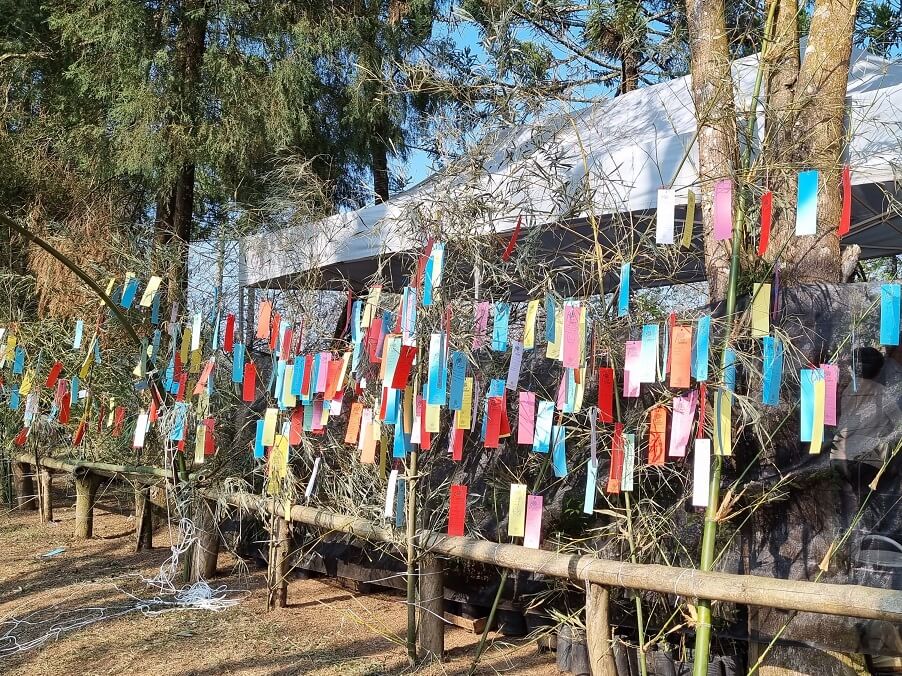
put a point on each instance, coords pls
(591, 486)
(703, 336)
(259, 451)
(806, 203)
(14, 398)
(806, 410)
(559, 454)
(550, 312)
(237, 363)
(401, 446)
(436, 382)
(279, 382)
(458, 376)
(155, 309)
(19, 361)
(773, 370)
(181, 418)
(73, 395)
(499, 329)
(297, 376)
(729, 373)
(427, 282)
(155, 345)
(544, 422)
(623, 304)
(889, 314)
(128, 293)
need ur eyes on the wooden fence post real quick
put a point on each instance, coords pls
(46, 495)
(206, 547)
(598, 631)
(432, 608)
(86, 484)
(143, 518)
(23, 479)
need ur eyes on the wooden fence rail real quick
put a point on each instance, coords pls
(796, 595)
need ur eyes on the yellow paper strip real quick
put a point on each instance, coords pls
(529, 328)
(288, 398)
(433, 418)
(760, 310)
(817, 431)
(723, 414)
(553, 351)
(199, 435)
(153, 286)
(185, 346)
(372, 304)
(27, 379)
(516, 522)
(689, 223)
(269, 426)
(464, 419)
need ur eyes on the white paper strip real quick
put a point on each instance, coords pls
(701, 472)
(390, 494)
(666, 208)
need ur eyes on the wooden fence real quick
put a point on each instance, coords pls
(599, 575)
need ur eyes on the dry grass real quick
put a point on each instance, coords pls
(325, 629)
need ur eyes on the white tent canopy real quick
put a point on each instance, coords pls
(605, 160)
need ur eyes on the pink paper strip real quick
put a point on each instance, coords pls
(831, 381)
(723, 210)
(632, 368)
(322, 376)
(526, 418)
(681, 427)
(561, 401)
(571, 336)
(533, 535)
(480, 324)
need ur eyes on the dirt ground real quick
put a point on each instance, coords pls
(325, 629)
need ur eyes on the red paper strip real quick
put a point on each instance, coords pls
(505, 421)
(263, 320)
(845, 219)
(209, 439)
(615, 472)
(767, 206)
(306, 384)
(657, 436)
(295, 431)
(373, 338)
(54, 374)
(22, 437)
(118, 420)
(513, 240)
(79, 433)
(204, 377)
(334, 371)
(286, 344)
(229, 340)
(457, 510)
(402, 368)
(154, 411)
(681, 356)
(606, 394)
(702, 404)
(457, 444)
(249, 387)
(353, 431)
(65, 407)
(493, 427)
(425, 437)
(383, 404)
(421, 264)
(177, 367)
(274, 332)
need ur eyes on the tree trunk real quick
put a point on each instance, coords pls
(432, 608)
(143, 519)
(380, 171)
(23, 480)
(85, 493)
(46, 495)
(204, 552)
(779, 145)
(820, 100)
(712, 93)
(598, 631)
